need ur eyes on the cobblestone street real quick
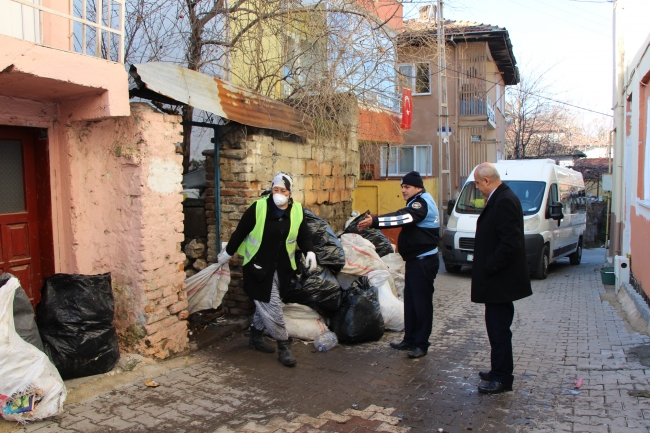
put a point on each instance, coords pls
(562, 333)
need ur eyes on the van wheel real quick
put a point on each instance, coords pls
(453, 269)
(576, 256)
(542, 267)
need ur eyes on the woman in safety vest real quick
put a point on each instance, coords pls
(266, 238)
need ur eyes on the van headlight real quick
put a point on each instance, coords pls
(452, 222)
(532, 223)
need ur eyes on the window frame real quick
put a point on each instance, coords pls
(398, 172)
(413, 78)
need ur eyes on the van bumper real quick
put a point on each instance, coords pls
(452, 256)
(534, 245)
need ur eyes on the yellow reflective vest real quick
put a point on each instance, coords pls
(252, 243)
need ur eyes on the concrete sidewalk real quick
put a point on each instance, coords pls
(562, 333)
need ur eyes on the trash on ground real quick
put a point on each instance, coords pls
(355, 406)
(206, 289)
(382, 245)
(392, 309)
(397, 267)
(152, 383)
(75, 320)
(578, 383)
(318, 289)
(450, 331)
(359, 319)
(361, 257)
(327, 247)
(326, 341)
(23, 312)
(31, 388)
(303, 322)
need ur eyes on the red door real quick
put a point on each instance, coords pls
(19, 231)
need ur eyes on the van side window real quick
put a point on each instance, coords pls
(552, 197)
(581, 200)
(566, 198)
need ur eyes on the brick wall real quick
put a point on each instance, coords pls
(325, 172)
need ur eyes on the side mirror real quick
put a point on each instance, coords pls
(555, 211)
(450, 206)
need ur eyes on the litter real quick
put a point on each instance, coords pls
(359, 319)
(31, 388)
(327, 247)
(24, 316)
(303, 322)
(206, 289)
(152, 383)
(318, 289)
(376, 237)
(450, 331)
(326, 341)
(392, 309)
(396, 266)
(578, 383)
(75, 320)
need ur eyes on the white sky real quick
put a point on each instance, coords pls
(573, 39)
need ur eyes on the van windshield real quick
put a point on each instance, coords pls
(530, 194)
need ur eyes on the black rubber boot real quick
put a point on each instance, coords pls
(284, 353)
(257, 341)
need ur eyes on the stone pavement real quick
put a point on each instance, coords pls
(562, 333)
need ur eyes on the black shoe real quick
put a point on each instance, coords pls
(485, 375)
(257, 342)
(284, 354)
(417, 352)
(494, 387)
(402, 346)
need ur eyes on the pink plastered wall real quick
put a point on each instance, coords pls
(121, 212)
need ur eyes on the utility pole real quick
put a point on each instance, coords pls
(444, 170)
(616, 211)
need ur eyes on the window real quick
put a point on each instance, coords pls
(530, 194)
(404, 159)
(417, 77)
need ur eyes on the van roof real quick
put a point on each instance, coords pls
(534, 169)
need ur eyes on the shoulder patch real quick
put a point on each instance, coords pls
(416, 205)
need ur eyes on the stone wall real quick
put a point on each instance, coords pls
(325, 172)
(118, 191)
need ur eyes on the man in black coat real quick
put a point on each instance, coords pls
(500, 272)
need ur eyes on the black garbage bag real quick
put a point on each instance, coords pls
(75, 320)
(319, 290)
(359, 319)
(24, 321)
(327, 247)
(381, 242)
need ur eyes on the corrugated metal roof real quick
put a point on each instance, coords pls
(175, 83)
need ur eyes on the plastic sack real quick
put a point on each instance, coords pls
(345, 280)
(75, 319)
(327, 247)
(396, 267)
(375, 236)
(23, 313)
(31, 387)
(361, 257)
(319, 290)
(206, 289)
(359, 319)
(303, 322)
(392, 309)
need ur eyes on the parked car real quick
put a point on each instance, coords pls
(554, 206)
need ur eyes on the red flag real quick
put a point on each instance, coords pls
(407, 109)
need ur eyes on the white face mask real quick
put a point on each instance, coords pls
(280, 199)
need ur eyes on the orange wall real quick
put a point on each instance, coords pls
(386, 10)
(640, 228)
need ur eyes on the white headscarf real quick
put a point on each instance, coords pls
(283, 180)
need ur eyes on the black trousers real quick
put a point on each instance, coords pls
(498, 319)
(418, 299)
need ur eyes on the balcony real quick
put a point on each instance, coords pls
(89, 27)
(481, 109)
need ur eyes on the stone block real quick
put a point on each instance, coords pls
(346, 195)
(182, 295)
(177, 307)
(322, 197)
(335, 197)
(183, 315)
(311, 167)
(310, 198)
(327, 182)
(152, 328)
(173, 330)
(339, 183)
(157, 315)
(350, 182)
(325, 168)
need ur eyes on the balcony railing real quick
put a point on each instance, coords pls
(95, 27)
(381, 100)
(476, 107)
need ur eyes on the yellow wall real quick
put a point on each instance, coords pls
(384, 196)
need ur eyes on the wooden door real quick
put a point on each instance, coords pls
(19, 232)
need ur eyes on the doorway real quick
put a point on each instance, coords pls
(26, 241)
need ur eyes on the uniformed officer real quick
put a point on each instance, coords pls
(418, 245)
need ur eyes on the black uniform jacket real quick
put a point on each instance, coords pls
(500, 269)
(272, 255)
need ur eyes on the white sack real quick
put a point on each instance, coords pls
(25, 370)
(361, 257)
(206, 289)
(396, 267)
(303, 322)
(391, 308)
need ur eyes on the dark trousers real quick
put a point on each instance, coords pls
(418, 299)
(498, 319)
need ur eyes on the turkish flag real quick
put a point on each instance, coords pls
(407, 109)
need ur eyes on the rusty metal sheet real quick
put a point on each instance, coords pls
(221, 98)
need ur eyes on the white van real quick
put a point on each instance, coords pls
(555, 214)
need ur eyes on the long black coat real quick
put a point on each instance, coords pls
(272, 255)
(500, 269)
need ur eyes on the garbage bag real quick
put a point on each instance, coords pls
(327, 247)
(75, 320)
(303, 322)
(361, 257)
(318, 289)
(23, 313)
(378, 239)
(396, 267)
(31, 388)
(359, 319)
(206, 289)
(392, 309)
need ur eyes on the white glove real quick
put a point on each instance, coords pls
(223, 257)
(310, 261)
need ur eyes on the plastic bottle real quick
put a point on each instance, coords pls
(326, 341)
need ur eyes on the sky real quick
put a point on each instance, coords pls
(570, 39)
